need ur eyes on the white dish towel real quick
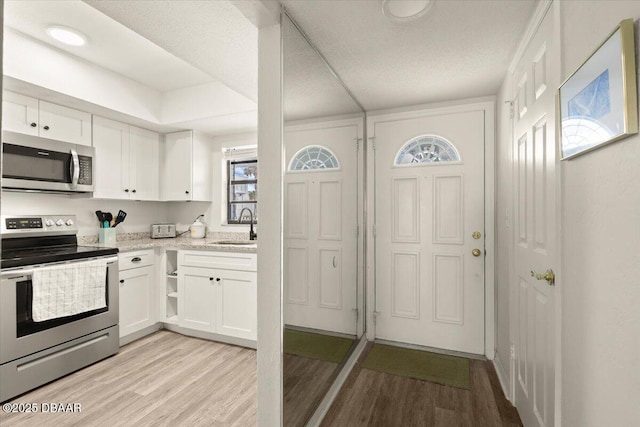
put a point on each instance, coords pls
(67, 289)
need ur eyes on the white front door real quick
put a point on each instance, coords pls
(320, 227)
(534, 226)
(430, 231)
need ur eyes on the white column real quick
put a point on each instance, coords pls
(270, 159)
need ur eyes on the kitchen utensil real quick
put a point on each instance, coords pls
(100, 216)
(120, 217)
(107, 217)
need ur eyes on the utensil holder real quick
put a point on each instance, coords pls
(107, 235)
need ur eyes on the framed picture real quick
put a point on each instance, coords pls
(598, 102)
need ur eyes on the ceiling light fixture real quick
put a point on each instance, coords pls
(405, 10)
(67, 35)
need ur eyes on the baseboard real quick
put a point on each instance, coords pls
(332, 393)
(502, 377)
(140, 334)
(211, 336)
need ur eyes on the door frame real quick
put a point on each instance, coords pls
(487, 105)
(346, 120)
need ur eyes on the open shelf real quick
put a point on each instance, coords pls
(171, 286)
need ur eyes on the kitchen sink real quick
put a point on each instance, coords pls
(236, 242)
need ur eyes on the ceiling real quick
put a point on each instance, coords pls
(213, 36)
(310, 90)
(459, 49)
(192, 54)
(111, 45)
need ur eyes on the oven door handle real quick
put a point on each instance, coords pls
(75, 168)
(16, 274)
(28, 272)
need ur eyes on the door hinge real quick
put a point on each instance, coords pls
(511, 108)
(373, 142)
(357, 313)
(358, 230)
(513, 351)
(358, 141)
(375, 231)
(375, 317)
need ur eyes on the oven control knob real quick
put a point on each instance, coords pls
(69, 222)
(49, 223)
(59, 222)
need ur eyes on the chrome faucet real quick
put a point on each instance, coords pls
(252, 235)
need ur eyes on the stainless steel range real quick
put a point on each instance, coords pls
(58, 302)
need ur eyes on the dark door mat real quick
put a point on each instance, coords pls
(316, 346)
(438, 368)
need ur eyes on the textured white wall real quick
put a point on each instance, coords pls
(601, 252)
(140, 215)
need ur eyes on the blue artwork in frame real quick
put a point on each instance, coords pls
(594, 101)
(597, 104)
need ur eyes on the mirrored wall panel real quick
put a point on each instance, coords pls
(322, 297)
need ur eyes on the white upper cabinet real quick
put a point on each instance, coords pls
(31, 116)
(65, 124)
(144, 164)
(186, 169)
(19, 113)
(127, 163)
(111, 174)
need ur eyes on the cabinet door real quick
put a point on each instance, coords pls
(237, 304)
(144, 166)
(111, 141)
(137, 300)
(65, 124)
(177, 166)
(197, 298)
(19, 113)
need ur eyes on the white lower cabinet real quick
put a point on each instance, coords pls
(197, 296)
(217, 300)
(137, 292)
(207, 291)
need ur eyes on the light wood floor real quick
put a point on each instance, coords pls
(165, 379)
(306, 381)
(371, 398)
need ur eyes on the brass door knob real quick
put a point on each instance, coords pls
(549, 276)
(476, 235)
(476, 252)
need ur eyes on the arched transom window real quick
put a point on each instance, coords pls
(314, 157)
(427, 149)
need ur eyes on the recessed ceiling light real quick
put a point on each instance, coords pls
(405, 10)
(67, 35)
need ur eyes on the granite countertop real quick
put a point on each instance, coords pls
(134, 241)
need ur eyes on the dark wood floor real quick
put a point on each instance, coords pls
(306, 381)
(371, 398)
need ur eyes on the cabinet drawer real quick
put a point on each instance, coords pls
(128, 260)
(221, 260)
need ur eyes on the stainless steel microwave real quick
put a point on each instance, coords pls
(32, 163)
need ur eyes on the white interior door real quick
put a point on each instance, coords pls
(534, 196)
(430, 232)
(320, 259)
